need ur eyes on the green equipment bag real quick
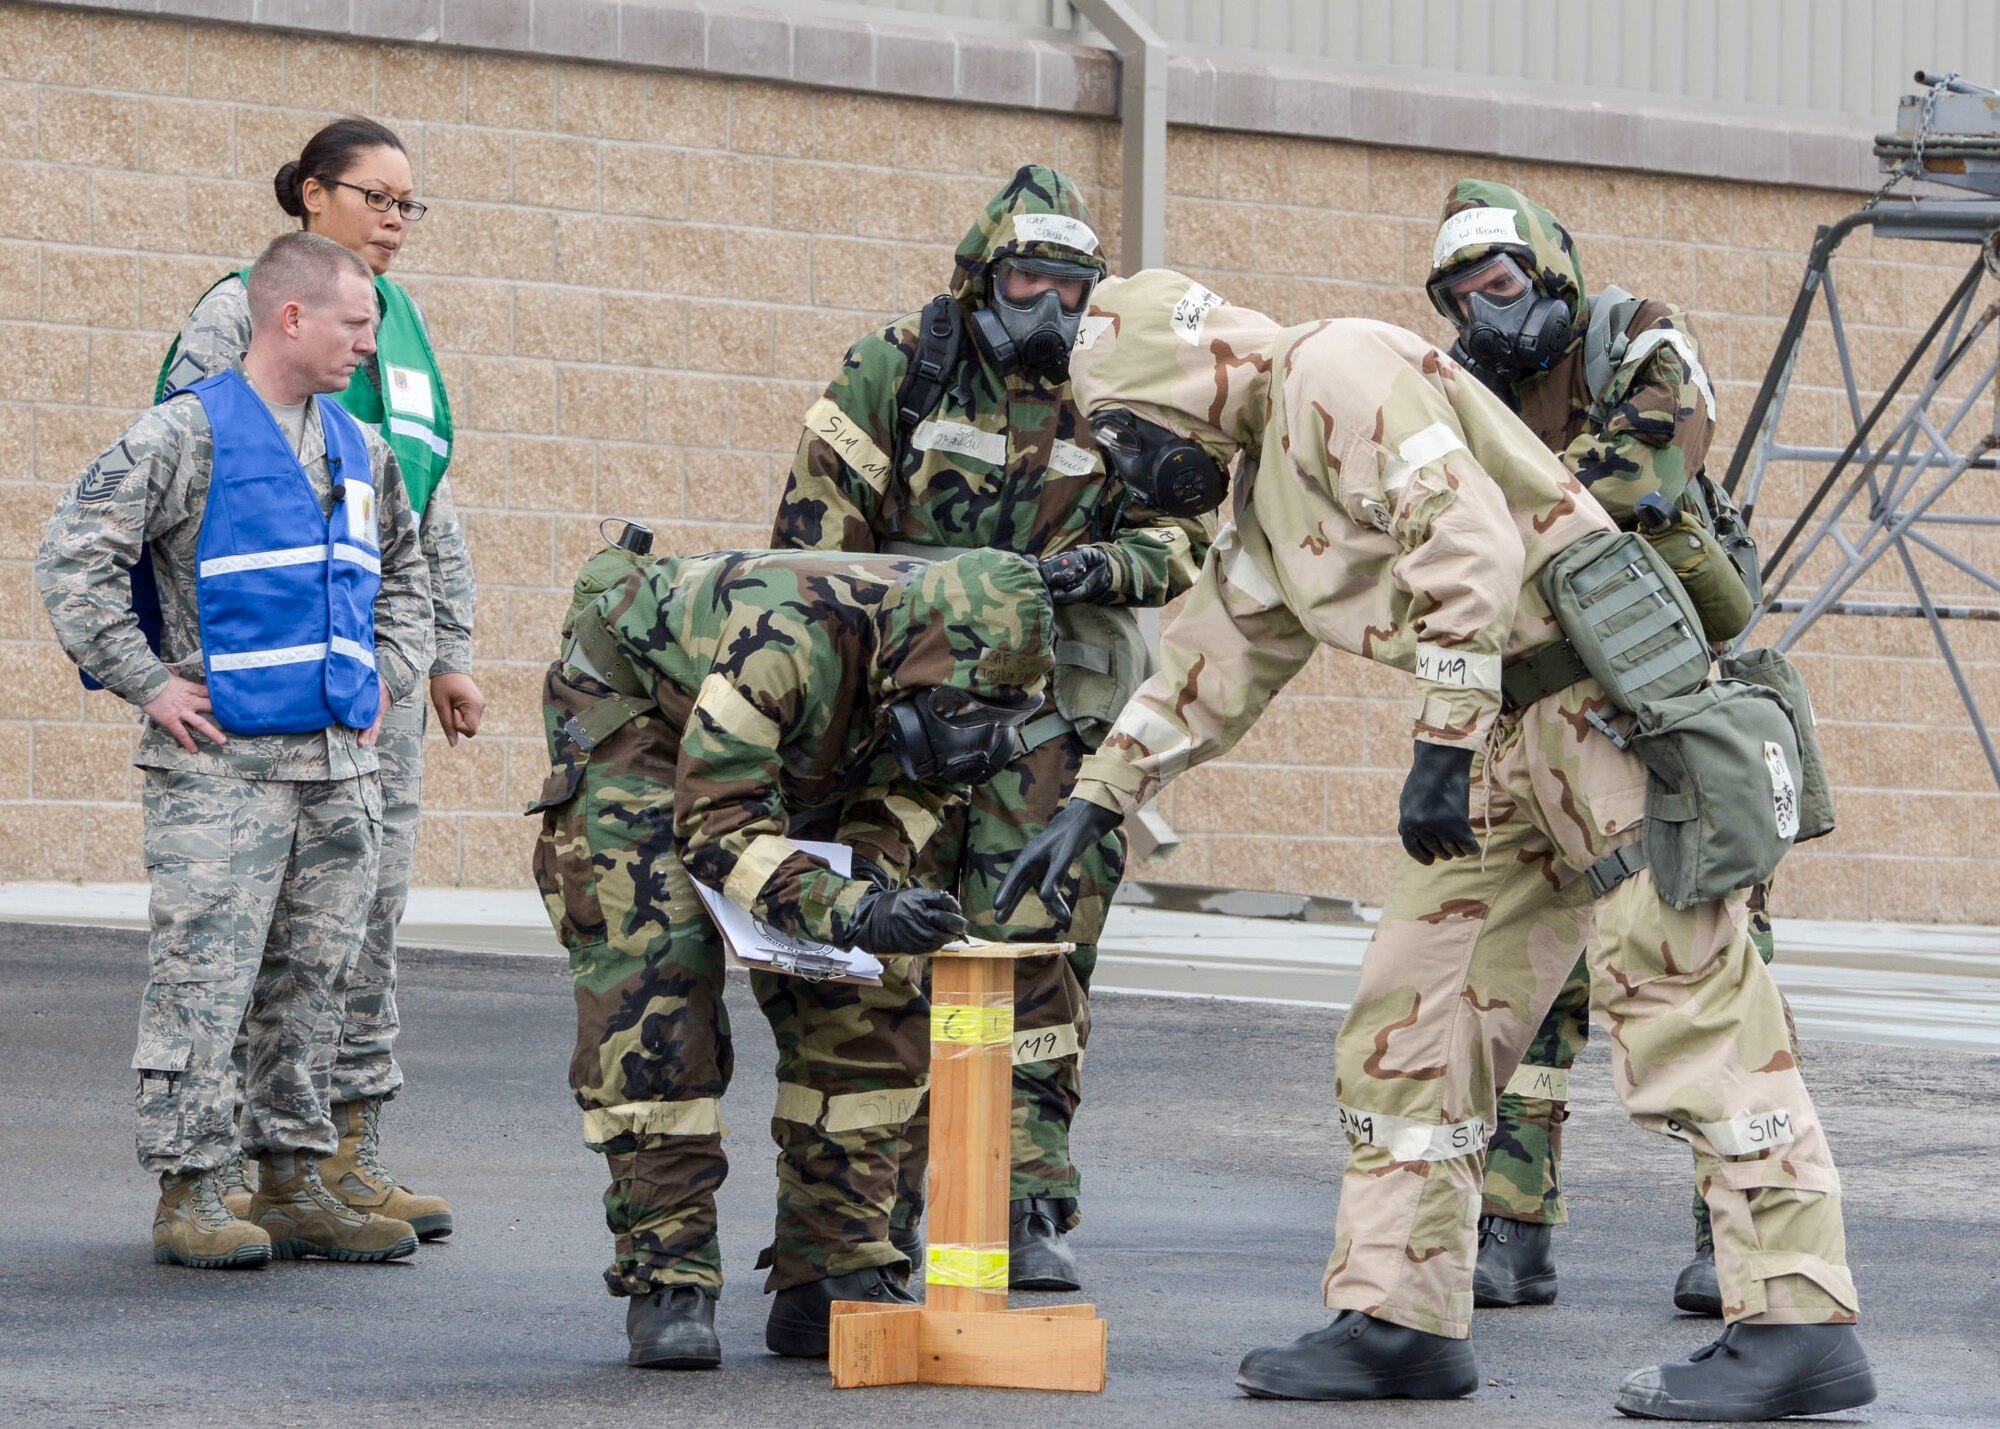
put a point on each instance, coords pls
(1722, 789)
(1634, 628)
(1709, 576)
(1772, 670)
(1101, 660)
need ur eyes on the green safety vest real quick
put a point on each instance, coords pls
(418, 426)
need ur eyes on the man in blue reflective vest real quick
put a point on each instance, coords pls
(293, 607)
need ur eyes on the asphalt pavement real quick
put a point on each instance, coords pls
(1211, 1160)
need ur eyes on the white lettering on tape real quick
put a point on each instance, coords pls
(1784, 793)
(933, 435)
(1407, 1140)
(1055, 228)
(1071, 459)
(1474, 226)
(1192, 311)
(1468, 670)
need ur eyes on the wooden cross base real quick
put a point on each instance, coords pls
(964, 1333)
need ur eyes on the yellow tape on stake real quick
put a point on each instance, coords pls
(976, 1026)
(972, 1267)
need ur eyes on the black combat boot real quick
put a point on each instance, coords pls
(1038, 1253)
(1698, 1291)
(1517, 1264)
(799, 1315)
(1756, 1372)
(909, 1240)
(1360, 1357)
(673, 1328)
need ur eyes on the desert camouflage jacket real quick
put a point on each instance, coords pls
(1389, 505)
(1651, 428)
(773, 674)
(1005, 461)
(217, 334)
(149, 490)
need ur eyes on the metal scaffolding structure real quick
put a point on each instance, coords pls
(1882, 500)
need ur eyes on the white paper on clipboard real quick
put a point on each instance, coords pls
(757, 944)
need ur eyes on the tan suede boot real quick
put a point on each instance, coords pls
(304, 1218)
(354, 1174)
(193, 1227)
(235, 1189)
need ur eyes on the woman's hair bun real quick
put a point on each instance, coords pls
(286, 186)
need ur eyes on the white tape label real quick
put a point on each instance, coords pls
(1468, 670)
(1744, 1134)
(1192, 310)
(1407, 1140)
(1071, 459)
(1089, 327)
(1045, 1044)
(1055, 228)
(1784, 794)
(959, 439)
(1549, 1084)
(1473, 226)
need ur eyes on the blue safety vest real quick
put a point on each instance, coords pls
(286, 596)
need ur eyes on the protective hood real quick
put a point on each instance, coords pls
(980, 622)
(1482, 218)
(1037, 214)
(1178, 354)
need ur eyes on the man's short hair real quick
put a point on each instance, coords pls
(302, 268)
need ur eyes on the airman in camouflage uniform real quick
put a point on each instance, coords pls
(262, 850)
(1005, 461)
(707, 710)
(358, 1061)
(1647, 431)
(1393, 507)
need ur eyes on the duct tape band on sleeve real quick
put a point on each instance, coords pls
(1549, 1084)
(965, 1029)
(970, 1267)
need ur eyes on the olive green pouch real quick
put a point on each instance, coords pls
(1711, 580)
(1634, 627)
(1772, 670)
(1101, 660)
(1722, 788)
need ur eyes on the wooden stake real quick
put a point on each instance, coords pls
(964, 1333)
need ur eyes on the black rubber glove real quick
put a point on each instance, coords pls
(872, 872)
(1434, 820)
(906, 920)
(1085, 573)
(1049, 854)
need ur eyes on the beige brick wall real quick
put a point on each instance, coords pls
(638, 281)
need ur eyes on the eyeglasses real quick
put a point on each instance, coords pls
(381, 202)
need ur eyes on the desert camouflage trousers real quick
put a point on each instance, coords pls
(969, 855)
(259, 892)
(1469, 956)
(1524, 1152)
(653, 1055)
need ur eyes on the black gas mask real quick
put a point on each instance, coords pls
(1032, 334)
(1165, 473)
(950, 736)
(1505, 325)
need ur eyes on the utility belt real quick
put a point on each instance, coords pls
(1734, 774)
(591, 651)
(1101, 659)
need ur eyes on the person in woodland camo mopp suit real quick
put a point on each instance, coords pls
(1391, 506)
(706, 712)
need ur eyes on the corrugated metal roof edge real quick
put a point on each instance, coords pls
(915, 59)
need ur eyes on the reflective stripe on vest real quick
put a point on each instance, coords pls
(286, 596)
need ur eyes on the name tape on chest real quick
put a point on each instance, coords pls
(935, 435)
(1071, 459)
(1471, 227)
(1407, 1140)
(1055, 228)
(1192, 311)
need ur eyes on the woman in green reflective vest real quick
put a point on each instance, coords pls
(352, 183)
